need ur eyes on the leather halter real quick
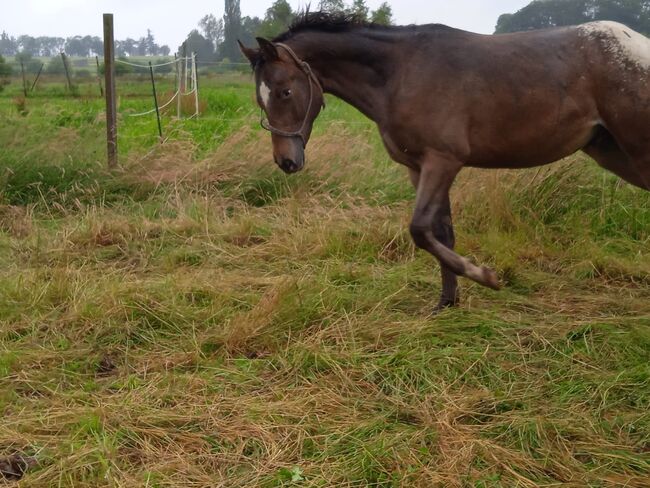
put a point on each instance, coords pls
(313, 80)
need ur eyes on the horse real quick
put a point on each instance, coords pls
(444, 98)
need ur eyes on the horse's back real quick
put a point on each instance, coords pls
(621, 45)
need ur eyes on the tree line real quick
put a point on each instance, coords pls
(542, 14)
(80, 46)
(216, 38)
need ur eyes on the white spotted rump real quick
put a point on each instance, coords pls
(626, 45)
(265, 94)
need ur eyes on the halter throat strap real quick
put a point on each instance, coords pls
(313, 80)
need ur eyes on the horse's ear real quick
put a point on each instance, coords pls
(253, 55)
(268, 49)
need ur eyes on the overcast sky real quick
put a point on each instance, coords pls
(171, 20)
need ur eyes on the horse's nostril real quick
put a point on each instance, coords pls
(289, 164)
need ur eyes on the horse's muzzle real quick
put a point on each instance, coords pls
(290, 166)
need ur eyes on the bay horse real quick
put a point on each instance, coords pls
(444, 98)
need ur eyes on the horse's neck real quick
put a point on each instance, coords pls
(356, 72)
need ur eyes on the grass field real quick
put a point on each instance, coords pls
(199, 319)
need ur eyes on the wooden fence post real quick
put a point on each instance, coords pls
(109, 82)
(67, 71)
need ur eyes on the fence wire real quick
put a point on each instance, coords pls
(146, 66)
(149, 112)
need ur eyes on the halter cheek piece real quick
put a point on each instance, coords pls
(313, 80)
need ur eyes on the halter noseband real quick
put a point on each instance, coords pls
(313, 80)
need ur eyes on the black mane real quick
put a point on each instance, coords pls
(347, 22)
(326, 22)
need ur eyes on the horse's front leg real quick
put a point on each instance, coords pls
(443, 230)
(431, 225)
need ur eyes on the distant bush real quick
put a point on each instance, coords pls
(23, 56)
(163, 69)
(30, 63)
(5, 69)
(55, 66)
(120, 68)
(33, 66)
(226, 66)
(5, 73)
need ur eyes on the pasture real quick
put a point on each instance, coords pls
(197, 318)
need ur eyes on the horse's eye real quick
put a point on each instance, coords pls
(286, 93)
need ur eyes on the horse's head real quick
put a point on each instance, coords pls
(290, 95)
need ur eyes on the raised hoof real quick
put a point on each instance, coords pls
(490, 278)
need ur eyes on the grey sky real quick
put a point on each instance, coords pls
(171, 20)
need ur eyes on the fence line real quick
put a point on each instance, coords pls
(220, 63)
(143, 66)
(191, 63)
(149, 112)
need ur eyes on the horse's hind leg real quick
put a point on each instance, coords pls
(608, 154)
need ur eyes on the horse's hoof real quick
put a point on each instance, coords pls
(490, 278)
(445, 304)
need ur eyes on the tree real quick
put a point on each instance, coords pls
(360, 9)
(127, 47)
(277, 19)
(250, 29)
(151, 48)
(8, 45)
(141, 47)
(331, 6)
(28, 44)
(212, 30)
(49, 46)
(540, 14)
(232, 29)
(196, 43)
(383, 15)
(96, 46)
(76, 46)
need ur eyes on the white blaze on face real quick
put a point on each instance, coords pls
(622, 42)
(265, 94)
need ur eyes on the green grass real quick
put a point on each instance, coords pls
(199, 319)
